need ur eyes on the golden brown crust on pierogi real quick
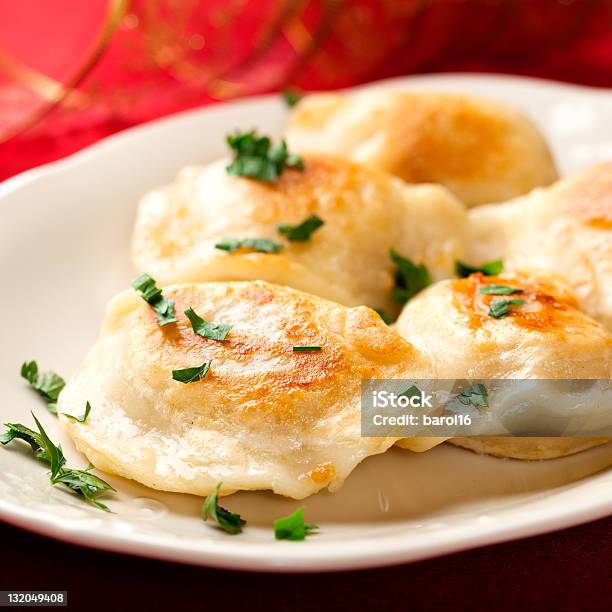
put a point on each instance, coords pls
(264, 417)
(365, 212)
(482, 150)
(546, 337)
(566, 229)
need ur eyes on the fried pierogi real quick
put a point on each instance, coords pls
(482, 150)
(543, 335)
(264, 416)
(364, 212)
(566, 229)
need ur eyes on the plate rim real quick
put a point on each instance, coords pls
(310, 556)
(304, 557)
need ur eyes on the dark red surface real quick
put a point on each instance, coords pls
(568, 570)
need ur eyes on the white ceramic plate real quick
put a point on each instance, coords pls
(64, 241)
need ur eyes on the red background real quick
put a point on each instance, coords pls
(565, 571)
(144, 72)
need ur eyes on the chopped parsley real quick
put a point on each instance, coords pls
(261, 245)
(302, 231)
(152, 295)
(385, 316)
(409, 278)
(299, 349)
(501, 308)
(411, 392)
(490, 268)
(204, 329)
(229, 521)
(291, 96)
(82, 482)
(499, 290)
(293, 527)
(476, 395)
(255, 157)
(189, 375)
(83, 417)
(47, 385)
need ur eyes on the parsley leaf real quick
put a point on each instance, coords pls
(83, 483)
(49, 452)
(89, 486)
(255, 157)
(230, 522)
(261, 245)
(47, 385)
(501, 308)
(409, 278)
(204, 329)
(189, 375)
(21, 432)
(385, 316)
(411, 392)
(490, 268)
(302, 231)
(44, 450)
(476, 395)
(293, 527)
(152, 295)
(83, 417)
(499, 290)
(291, 96)
(299, 349)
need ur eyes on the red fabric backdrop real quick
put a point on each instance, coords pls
(166, 56)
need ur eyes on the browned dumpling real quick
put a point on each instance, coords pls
(480, 149)
(566, 228)
(546, 337)
(364, 211)
(263, 417)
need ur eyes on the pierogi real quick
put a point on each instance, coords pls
(365, 212)
(546, 337)
(566, 228)
(276, 404)
(263, 417)
(481, 150)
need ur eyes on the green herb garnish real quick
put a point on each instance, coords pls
(152, 295)
(302, 231)
(255, 157)
(293, 527)
(47, 385)
(21, 432)
(500, 308)
(411, 392)
(204, 329)
(291, 96)
(83, 483)
(499, 290)
(261, 245)
(476, 395)
(490, 268)
(299, 349)
(83, 417)
(189, 375)
(409, 278)
(230, 522)
(385, 316)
